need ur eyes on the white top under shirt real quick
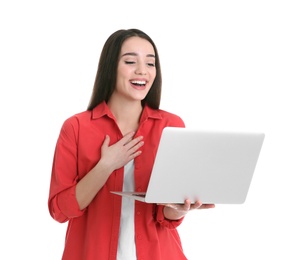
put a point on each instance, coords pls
(126, 240)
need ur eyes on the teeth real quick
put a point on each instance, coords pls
(139, 82)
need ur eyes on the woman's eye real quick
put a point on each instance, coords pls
(129, 62)
(151, 64)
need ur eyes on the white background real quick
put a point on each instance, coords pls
(225, 64)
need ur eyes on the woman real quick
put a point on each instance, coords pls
(112, 146)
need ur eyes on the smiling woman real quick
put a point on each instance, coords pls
(111, 147)
(136, 72)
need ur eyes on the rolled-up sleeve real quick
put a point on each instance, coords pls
(62, 201)
(172, 224)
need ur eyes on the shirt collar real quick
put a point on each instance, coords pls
(149, 112)
(102, 109)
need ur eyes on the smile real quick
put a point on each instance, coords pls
(140, 83)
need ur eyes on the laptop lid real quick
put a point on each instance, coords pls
(213, 166)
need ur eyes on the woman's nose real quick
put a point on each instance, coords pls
(141, 70)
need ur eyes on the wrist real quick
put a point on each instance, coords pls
(173, 214)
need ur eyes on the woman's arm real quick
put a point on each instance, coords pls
(112, 158)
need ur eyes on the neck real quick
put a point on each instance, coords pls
(127, 114)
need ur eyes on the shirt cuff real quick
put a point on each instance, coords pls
(168, 223)
(65, 205)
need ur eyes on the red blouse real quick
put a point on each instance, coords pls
(92, 233)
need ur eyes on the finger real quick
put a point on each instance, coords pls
(134, 155)
(106, 141)
(127, 138)
(135, 148)
(207, 206)
(187, 205)
(196, 205)
(134, 142)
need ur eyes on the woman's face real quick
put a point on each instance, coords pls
(136, 69)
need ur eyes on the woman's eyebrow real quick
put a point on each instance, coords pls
(135, 54)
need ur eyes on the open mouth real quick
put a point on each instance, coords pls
(139, 83)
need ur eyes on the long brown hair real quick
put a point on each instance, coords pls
(107, 68)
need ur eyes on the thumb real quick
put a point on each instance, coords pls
(106, 141)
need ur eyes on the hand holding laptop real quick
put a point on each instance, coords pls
(176, 211)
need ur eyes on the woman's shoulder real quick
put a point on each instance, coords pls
(77, 118)
(80, 116)
(171, 117)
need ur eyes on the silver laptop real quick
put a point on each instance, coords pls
(212, 166)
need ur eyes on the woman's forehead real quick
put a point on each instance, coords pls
(137, 46)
